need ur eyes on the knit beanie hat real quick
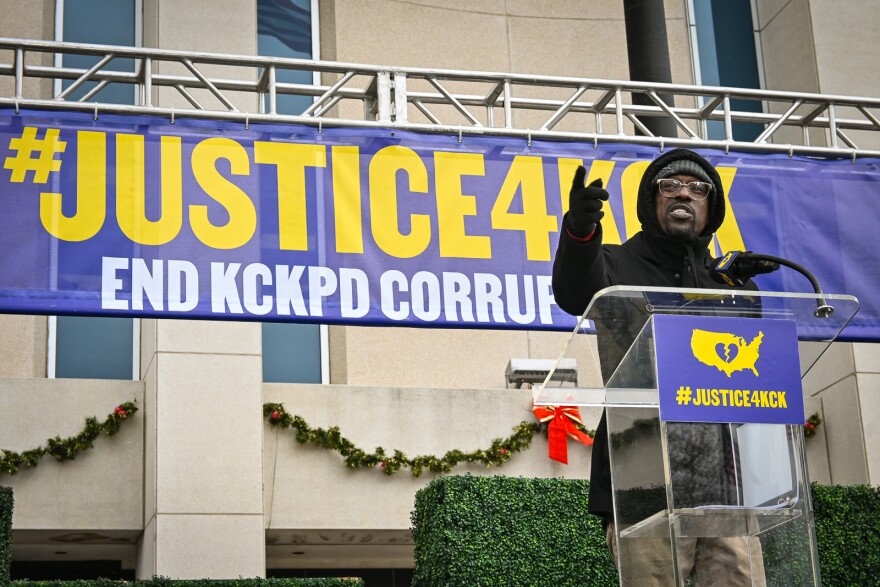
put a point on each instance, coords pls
(684, 167)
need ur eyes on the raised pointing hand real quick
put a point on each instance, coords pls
(584, 205)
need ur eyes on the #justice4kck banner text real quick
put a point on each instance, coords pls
(142, 216)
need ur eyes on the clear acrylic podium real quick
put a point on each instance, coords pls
(682, 491)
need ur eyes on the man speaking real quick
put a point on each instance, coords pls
(680, 206)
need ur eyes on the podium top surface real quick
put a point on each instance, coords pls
(621, 312)
(818, 317)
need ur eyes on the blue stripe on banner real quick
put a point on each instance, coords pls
(131, 215)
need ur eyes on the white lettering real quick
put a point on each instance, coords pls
(545, 298)
(387, 282)
(350, 280)
(487, 293)
(339, 293)
(289, 291)
(110, 284)
(224, 291)
(456, 289)
(322, 283)
(519, 316)
(254, 277)
(426, 286)
(144, 282)
(182, 271)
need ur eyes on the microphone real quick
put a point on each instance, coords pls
(735, 268)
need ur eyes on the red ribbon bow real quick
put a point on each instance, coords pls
(562, 425)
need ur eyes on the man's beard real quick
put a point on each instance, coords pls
(681, 228)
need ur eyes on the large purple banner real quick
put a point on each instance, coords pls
(142, 216)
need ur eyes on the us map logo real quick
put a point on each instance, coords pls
(725, 351)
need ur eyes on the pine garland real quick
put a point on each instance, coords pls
(811, 424)
(67, 449)
(498, 453)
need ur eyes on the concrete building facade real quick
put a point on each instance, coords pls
(198, 485)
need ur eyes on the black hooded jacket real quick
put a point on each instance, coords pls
(648, 258)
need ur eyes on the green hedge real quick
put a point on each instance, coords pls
(5, 533)
(848, 532)
(471, 531)
(474, 531)
(163, 582)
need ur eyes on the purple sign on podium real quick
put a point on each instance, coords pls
(721, 369)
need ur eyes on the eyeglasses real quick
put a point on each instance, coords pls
(698, 190)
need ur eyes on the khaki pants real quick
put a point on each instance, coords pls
(710, 562)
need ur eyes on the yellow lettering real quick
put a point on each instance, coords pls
(242, 214)
(728, 237)
(91, 193)
(565, 169)
(347, 199)
(526, 173)
(773, 403)
(131, 211)
(453, 206)
(781, 399)
(599, 169)
(629, 186)
(291, 161)
(383, 202)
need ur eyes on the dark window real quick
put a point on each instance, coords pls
(291, 352)
(116, 26)
(95, 348)
(726, 47)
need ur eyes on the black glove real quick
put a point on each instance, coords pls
(584, 205)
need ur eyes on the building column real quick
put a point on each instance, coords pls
(203, 504)
(866, 358)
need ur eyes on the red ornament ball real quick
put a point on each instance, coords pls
(276, 415)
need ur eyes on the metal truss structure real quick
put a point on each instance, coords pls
(437, 100)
